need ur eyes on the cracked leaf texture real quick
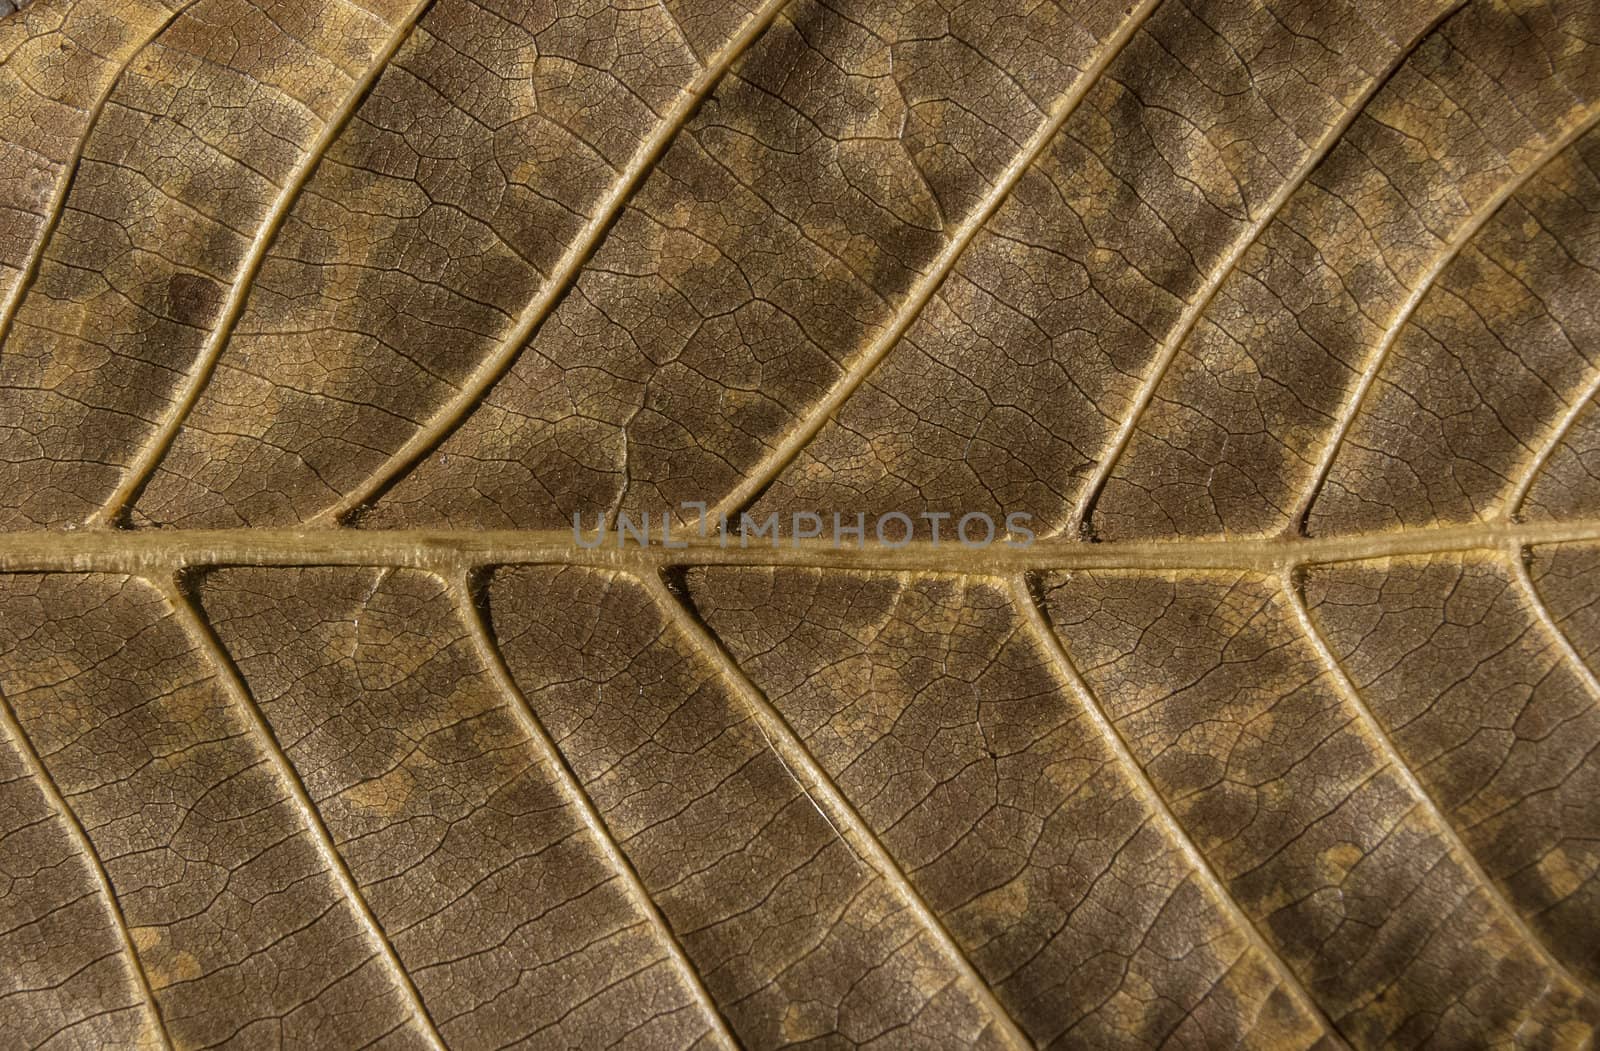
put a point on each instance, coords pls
(320, 319)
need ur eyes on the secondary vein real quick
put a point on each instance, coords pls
(562, 279)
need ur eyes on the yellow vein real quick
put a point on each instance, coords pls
(1558, 434)
(11, 727)
(494, 661)
(211, 648)
(1390, 754)
(1028, 605)
(145, 551)
(58, 204)
(1442, 259)
(1516, 554)
(1196, 308)
(928, 285)
(562, 277)
(816, 783)
(138, 472)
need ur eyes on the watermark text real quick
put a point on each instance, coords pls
(892, 529)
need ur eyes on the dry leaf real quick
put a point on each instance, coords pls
(1265, 336)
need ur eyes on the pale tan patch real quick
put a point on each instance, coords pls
(1335, 863)
(146, 938)
(385, 796)
(1561, 874)
(806, 1020)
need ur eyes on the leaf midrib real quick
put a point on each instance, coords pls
(146, 551)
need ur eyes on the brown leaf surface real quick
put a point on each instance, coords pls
(320, 319)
